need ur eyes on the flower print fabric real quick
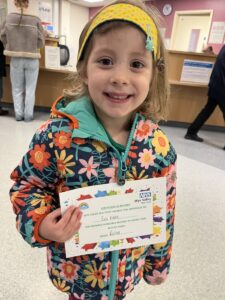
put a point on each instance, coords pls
(59, 160)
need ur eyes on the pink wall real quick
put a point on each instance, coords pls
(218, 7)
(93, 11)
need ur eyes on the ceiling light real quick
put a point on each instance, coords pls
(93, 0)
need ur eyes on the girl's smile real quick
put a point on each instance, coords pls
(117, 97)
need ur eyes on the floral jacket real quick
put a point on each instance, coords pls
(72, 150)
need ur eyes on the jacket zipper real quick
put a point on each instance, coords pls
(121, 181)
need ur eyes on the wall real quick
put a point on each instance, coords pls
(3, 6)
(72, 19)
(218, 7)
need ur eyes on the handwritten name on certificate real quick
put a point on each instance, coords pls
(117, 217)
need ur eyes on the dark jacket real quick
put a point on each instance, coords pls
(61, 149)
(217, 79)
(2, 61)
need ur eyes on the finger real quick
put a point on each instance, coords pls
(78, 226)
(76, 216)
(80, 214)
(72, 225)
(63, 222)
(71, 233)
(77, 212)
(55, 214)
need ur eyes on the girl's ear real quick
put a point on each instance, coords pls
(84, 78)
(82, 72)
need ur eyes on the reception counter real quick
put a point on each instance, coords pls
(186, 100)
(50, 86)
(51, 82)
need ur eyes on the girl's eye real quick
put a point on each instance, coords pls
(105, 61)
(137, 64)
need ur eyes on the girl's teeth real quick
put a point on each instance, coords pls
(118, 97)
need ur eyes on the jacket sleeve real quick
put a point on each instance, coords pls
(41, 35)
(33, 194)
(157, 263)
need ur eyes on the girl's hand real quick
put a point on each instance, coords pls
(58, 228)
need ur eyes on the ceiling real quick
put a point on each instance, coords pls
(90, 4)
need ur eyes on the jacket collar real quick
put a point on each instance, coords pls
(81, 113)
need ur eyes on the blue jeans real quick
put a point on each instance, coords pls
(23, 75)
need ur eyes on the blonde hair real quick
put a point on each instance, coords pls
(155, 104)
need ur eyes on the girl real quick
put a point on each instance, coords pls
(109, 134)
(23, 35)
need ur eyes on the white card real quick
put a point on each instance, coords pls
(117, 217)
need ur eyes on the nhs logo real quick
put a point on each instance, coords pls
(145, 194)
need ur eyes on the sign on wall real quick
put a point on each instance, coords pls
(52, 57)
(196, 71)
(45, 12)
(217, 33)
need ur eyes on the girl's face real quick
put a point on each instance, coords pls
(119, 72)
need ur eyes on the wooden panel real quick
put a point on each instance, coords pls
(176, 60)
(187, 99)
(50, 86)
(186, 102)
(48, 42)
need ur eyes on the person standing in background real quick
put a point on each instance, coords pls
(216, 96)
(22, 35)
(3, 112)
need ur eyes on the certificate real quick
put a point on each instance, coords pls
(117, 217)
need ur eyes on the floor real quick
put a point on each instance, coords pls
(198, 260)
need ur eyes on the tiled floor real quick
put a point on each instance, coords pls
(198, 261)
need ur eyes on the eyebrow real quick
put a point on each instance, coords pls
(108, 50)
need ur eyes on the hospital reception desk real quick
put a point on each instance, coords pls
(186, 99)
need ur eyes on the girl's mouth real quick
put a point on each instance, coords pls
(117, 97)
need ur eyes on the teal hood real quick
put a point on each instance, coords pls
(85, 120)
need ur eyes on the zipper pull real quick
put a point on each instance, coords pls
(121, 178)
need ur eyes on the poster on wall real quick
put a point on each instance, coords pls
(217, 33)
(45, 12)
(52, 57)
(196, 71)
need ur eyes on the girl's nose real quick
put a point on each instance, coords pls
(119, 76)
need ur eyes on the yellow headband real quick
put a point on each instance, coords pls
(129, 13)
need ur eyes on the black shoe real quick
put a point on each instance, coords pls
(3, 112)
(224, 148)
(18, 119)
(193, 137)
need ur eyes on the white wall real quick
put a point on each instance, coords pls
(72, 19)
(2, 10)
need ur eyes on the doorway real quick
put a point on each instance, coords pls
(190, 30)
